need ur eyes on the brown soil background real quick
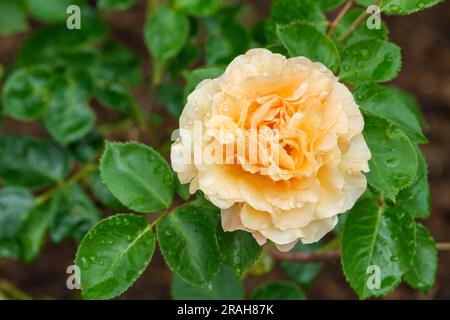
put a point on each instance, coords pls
(425, 41)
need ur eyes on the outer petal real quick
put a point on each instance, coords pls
(254, 219)
(317, 229)
(220, 183)
(231, 219)
(357, 156)
(294, 218)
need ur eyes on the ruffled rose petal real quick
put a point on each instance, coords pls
(310, 157)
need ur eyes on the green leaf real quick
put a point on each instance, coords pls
(12, 17)
(166, 32)
(416, 198)
(187, 57)
(239, 250)
(75, 215)
(406, 6)
(54, 44)
(115, 4)
(27, 93)
(376, 238)
(137, 176)
(51, 11)
(278, 290)
(32, 234)
(225, 287)
(102, 193)
(327, 5)
(120, 64)
(303, 273)
(171, 95)
(302, 39)
(227, 37)
(360, 33)
(377, 100)
(188, 241)
(364, 2)
(9, 248)
(113, 255)
(32, 163)
(193, 78)
(293, 11)
(413, 105)
(197, 7)
(182, 189)
(393, 165)
(15, 206)
(69, 117)
(114, 95)
(87, 148)
(119, 69)
(422, 274)
(370, 60)
(340, 225)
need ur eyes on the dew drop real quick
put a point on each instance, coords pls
(392, 163)
(420, 5)
(93, 259)
(364, 53)
(208, 286)
(394, 8)
(84, 263)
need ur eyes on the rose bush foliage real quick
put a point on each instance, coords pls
(349, 155)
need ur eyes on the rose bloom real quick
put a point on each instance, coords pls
(307, 167)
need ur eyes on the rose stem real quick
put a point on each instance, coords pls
(339, 17)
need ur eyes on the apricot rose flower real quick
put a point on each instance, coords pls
(307, 159)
